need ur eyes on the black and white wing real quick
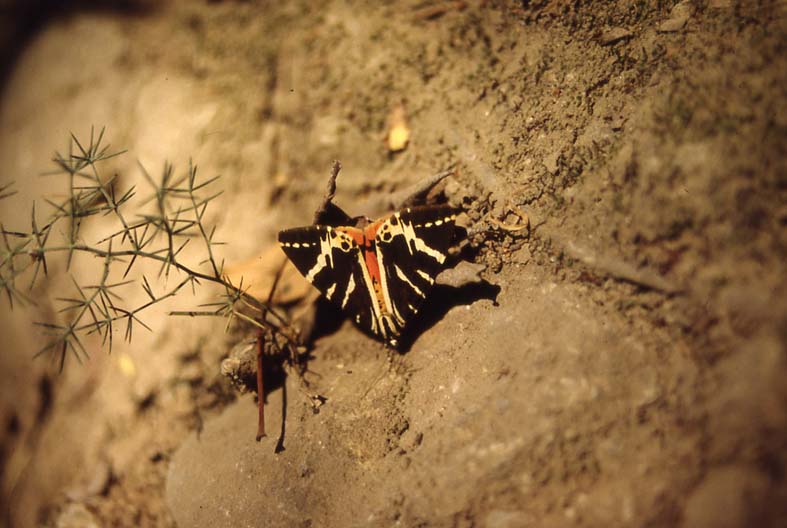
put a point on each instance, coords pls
(332, 261)
(412, 246)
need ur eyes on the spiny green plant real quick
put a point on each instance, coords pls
(177, 218)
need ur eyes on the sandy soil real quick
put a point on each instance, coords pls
(626, 366)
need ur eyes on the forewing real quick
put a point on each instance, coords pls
(331, 260)
(412, 246)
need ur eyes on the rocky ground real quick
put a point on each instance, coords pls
(623, 362)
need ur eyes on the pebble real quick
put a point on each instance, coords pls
(76, 515)
(613, 35)
(678, 17)
(97, 485)
(462, 274)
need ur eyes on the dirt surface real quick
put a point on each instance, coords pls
(624, 367)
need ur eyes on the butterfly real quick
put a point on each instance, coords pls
(379, 271)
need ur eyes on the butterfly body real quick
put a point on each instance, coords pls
(378, 271)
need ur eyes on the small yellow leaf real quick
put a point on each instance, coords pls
(398, 131)
(126, 365)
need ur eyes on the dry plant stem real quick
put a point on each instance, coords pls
(329, 192)
(260, 387)
(412, 194)
(193, 275)
(261, 340)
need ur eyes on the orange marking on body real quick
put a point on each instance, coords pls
(365, 240)
(371, 265)
(369, 252)
(370, 231)
(370, 255)
(356, 234)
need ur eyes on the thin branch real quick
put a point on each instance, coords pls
(5, 191)
(179, 206)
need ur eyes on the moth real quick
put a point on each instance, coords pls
(378, 271)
